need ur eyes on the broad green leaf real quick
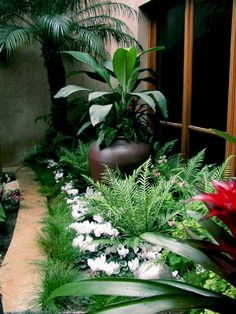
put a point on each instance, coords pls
(166, 303)
(114, 286)
(70, 89)
(98, 113)
(225, 135)
(92, 62)
(182, 248)
(83, 127)
(147, 99)
(130, 287)
(95, 95)
(123, 64)
(161, 101)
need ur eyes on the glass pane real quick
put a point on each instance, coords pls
(170, 33)
(212, 31)
(215, 147)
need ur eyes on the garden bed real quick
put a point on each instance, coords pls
(95, 232)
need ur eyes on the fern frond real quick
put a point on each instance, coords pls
(190, 172)
(222, 172)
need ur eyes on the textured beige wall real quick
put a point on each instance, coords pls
(24, 95)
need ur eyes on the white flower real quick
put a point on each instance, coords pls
(58, 175)
(111, 268)
(122, 251)
(67, 186)
(98, 218)
(76, 214)
(72, 192)
(110, 250)
(89, 245)
(51, 163)
(175, 273)
(149, 252)
(133, 264)
(90, 193)
(98, 263)
(85, 244)
(78, 241)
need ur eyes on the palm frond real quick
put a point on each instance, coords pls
(55, 27)
(108, 7)
(13, 37)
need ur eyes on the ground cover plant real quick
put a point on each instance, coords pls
(9, 206)
(100, 226)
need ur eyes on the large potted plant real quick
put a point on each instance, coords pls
(121, 115)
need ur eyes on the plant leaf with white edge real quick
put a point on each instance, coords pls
(182, 248)
(95, 95)
(83, 127)
(123, 64)
(147, 99)
(130, 287)
(168, 303)
(161, 101)
(70, 89)
(98, 113)
(153, 296)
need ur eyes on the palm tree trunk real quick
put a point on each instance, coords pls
(56, 79)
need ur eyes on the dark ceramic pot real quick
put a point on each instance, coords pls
(127, 156)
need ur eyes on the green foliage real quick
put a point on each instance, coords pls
(193, 174)
(120, 110)
(216, 283)
(55, 273)
(46, 178)
(58, 25)
(224, 135)
(76, 162)
(55, 238)
(151, 296)
(133, 204)
(2, 214)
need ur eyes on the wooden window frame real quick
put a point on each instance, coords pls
(230, 148)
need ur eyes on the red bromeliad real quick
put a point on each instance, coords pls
(222, 204)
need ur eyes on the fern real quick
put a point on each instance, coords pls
(76, 160)
(134, 204)
(191, 171)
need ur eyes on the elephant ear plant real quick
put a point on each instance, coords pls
(120, 110)
(217, 254)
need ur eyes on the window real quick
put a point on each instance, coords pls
(197, 72)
